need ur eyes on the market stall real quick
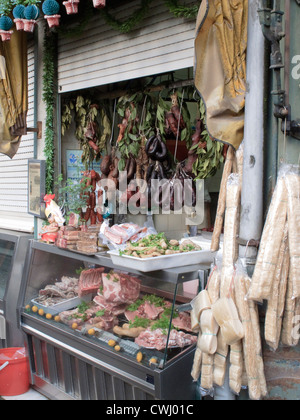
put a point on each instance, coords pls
(154, 180)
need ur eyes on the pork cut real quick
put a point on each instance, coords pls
(114, 308)
(104, 322)
(146, 310)
(90, 281)
(158, 340)
(120, 287)
(182, 322)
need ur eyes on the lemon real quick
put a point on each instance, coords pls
(117, 347)
(91, 331)
(152, 360)
(27, 307)
(34, 309)
(41, 312)
(111, 343)
(57, 318)
(49, 316)
(74, 326)
(139, 356)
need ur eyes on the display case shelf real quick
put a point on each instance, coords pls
(108, 350)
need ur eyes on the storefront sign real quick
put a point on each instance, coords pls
(75, 167)
(36, 187)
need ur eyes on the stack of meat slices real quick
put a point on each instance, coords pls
(115, 291)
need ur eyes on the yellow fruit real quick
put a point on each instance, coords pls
(27, 307)
(117, 347)
(139, 356)
(41, 312)
(57, 318)
(152, 360)
(111, 343)
(74, 326)
(91, 331)
(34, 309)
(48, 316)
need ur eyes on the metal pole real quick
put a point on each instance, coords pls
(252, 188)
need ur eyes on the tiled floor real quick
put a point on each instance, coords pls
(30, 395)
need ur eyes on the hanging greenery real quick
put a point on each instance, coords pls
(93, 126)
(209, 152)
(130, 22)
(136, 17)
(5, 7)
(177, 10)
(49, 77)
(137, 113)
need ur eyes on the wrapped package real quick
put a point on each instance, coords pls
(264, 272)
(215, 242)
(287, 334)
(240, 162)
(200, 303)
(231, 232)
(196, 368)
(195, 326)
(248, 340)
(209, 329)
(226, 315)
(209, 343)
(292, 182)
(213, 284)
(220, 359)
(207, 373)
(272, 324)
(236, 367)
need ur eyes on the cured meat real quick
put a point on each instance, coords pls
(104, 322)
(67, 288)
(90, 281)
(93, 316)
(147, 310)
(71, 317)
(158, 340)
(114, 308)
(183, 322)
(120, 287)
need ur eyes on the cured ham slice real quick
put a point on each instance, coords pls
(120, 287)
(158, 340)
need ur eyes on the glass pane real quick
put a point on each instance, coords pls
(133, 314)
(6, 257)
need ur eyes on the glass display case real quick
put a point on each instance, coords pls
(96, 331)
(7, 249)
(13, 246)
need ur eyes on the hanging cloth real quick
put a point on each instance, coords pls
(220, 66)
(13, 92)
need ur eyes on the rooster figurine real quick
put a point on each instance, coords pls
(55, 218)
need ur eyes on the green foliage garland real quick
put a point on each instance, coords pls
(209, 158)
(187, 12)
(128, 25)
(49, 77)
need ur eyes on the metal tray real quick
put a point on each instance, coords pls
(62, 306)
(163, 262)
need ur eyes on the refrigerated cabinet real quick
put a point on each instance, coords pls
(70, 361)
(13, 246)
